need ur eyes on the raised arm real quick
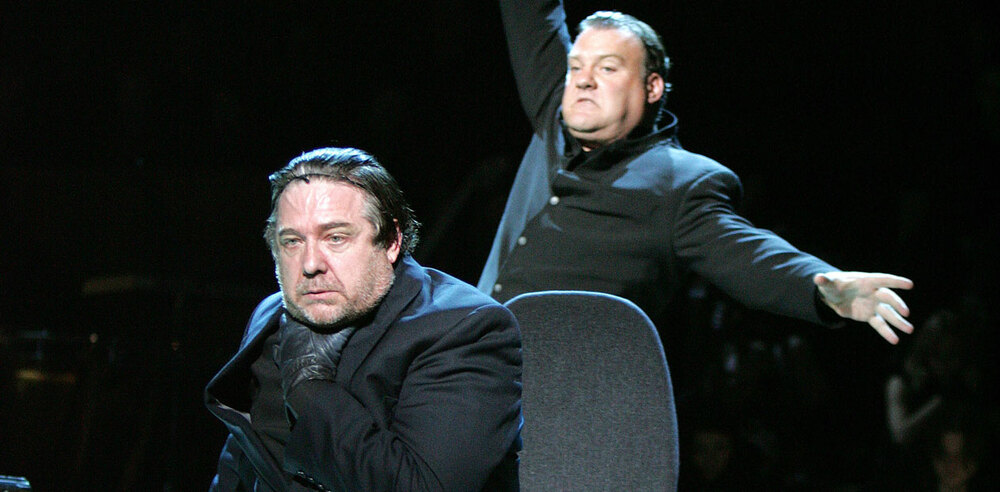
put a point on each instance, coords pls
(537, 40)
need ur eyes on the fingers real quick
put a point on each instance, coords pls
(884, 295)
(874, 280)
(868, 296)
(883, 329)
(886, 317)
(893, 317)
(892, 281)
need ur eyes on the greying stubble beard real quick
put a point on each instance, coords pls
(377, 280)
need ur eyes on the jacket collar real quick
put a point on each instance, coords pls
(263, 321)
(410, 278)
(638, 141)
(228, 387)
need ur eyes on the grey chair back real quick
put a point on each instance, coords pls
(597, 398)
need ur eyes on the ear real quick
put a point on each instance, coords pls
(392, 252)
(654, 88)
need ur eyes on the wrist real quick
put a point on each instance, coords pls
(825, 311)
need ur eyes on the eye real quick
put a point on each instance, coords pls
(289, 242)
(609, 69)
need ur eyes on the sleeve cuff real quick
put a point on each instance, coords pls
(827, 316)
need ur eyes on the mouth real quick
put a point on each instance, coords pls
(318, 294)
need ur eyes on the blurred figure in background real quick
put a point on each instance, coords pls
(940, 417)
(955, 454)
(717, 454)
(939, 367)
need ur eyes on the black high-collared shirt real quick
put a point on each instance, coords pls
(632, 218)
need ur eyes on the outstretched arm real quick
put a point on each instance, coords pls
(868, 297)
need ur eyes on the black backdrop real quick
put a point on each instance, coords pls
(136, 139)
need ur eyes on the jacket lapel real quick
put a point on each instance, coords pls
(408, 283)
(223, 392)
(223, 387)
(227, 395)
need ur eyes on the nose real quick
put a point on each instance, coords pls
(583, 78)
(313, 260)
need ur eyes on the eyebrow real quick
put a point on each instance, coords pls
(599, 57)
(325, 227)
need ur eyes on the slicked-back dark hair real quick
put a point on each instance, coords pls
(385, 205)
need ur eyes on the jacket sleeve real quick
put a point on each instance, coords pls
(752, 265)
(457, 415)
(227, 475)
(537, 40)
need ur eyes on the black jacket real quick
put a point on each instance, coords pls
(427, 397)
(633, 218)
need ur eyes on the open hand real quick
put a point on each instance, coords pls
(868, 297)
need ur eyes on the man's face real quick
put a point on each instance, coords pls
(329, 270)
(606, 87)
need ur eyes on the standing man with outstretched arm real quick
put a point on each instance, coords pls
(606, 200)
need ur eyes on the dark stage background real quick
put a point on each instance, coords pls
(136, 138)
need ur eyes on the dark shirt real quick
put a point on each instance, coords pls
(633, 218)
(600, 228)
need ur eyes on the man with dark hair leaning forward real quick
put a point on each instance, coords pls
(366, 371)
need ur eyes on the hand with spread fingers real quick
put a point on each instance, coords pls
(868, 297)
